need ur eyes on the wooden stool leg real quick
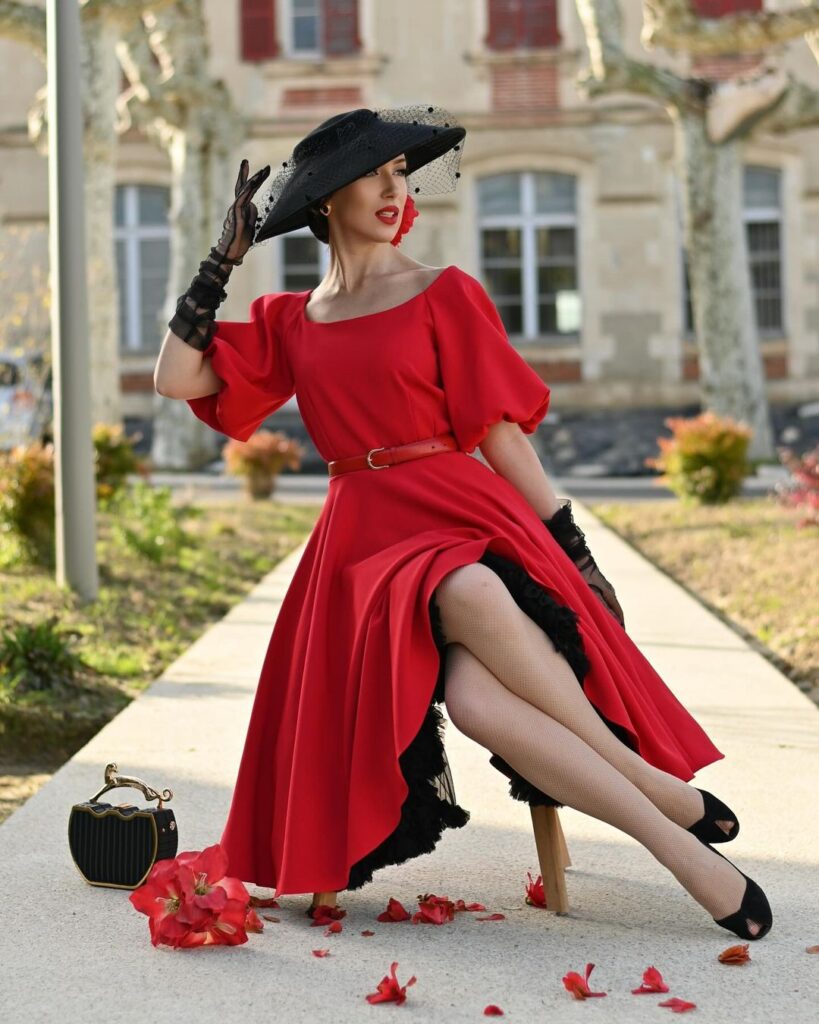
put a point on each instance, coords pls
(328, 899)
(553, 856)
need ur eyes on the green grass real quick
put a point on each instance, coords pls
(745, 560)
(144, 616)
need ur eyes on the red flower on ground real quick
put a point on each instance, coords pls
(535, 894)
(735, 954)
(460, 905)
(579, 987)
(408, 216)
(434, 910)
(678, 1005)
(389, 991)
(492, 1011)
(325, 913)
(652, 982)
(190, 902)
(395, 912)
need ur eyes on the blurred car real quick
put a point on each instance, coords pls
(26, 407)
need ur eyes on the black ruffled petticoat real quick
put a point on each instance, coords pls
(430, 806)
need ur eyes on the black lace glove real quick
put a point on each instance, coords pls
(572, 539)
(193, 321)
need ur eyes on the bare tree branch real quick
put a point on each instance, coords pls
(611, 69)
(24, 23)
(798, 109)
(673, 25)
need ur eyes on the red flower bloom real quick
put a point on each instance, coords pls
(409, 215)
(535, 894)
(579, 987)
(652, 982)
(189, 902)
(395, 912)
(389, 991)
(735, 954)
(434, 910)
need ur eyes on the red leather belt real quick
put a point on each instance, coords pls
(381, 458)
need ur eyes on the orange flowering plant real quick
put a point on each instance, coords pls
(704, 461)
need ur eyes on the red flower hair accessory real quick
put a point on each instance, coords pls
(410, 213)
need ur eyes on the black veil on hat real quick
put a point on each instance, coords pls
(345, 146)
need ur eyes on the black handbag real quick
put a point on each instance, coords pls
(116, 846)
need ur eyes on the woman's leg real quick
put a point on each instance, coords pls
(479, 612)
(558, 762)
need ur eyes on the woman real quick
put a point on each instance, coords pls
(435, 577)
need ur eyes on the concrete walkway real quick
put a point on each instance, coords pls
(75, 952)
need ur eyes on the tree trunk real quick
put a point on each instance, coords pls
(732, 377)
(204, 150)
(100, 78)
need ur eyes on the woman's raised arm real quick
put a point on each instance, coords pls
(181, 371)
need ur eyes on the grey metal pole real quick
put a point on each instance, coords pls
(74, 483)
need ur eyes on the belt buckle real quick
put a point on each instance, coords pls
(370, 453)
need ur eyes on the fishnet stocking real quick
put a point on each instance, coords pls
(509, 690)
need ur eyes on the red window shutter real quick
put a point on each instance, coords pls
(539, 23)
(503, 24)
(719, 8)
(522, 23)
(259, 29)
(340, 27)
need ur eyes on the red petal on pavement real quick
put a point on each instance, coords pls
(460, 905)
(395, 912)
(368, 933)
(270, 917)
(334, 928)
(492, 1011)
(324, 914)
(258, 901)
(678, 1005)
(321, 952)
(492, 917)
(652, 982)
(578, 986)
(389, 991)
(735, 954)
(253, 923)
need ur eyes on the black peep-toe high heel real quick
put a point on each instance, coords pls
(707, 829)
(754, 906)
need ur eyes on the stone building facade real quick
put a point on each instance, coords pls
(567, 210)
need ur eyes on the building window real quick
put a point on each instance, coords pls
(321, 28)
(303, 259)
(762, 214)
(143, 244)
(517, 24)
(528, 253)
(719, 8)
(258, 30)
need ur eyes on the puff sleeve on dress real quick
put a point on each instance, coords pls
(485, 379)
(251, 360)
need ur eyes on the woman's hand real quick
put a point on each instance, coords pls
(240, 222)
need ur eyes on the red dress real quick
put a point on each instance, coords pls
(326, 790)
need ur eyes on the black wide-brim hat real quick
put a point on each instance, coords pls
(346, 146)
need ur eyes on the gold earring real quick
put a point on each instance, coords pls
(327, 211)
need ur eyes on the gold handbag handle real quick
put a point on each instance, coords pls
(112, 781)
